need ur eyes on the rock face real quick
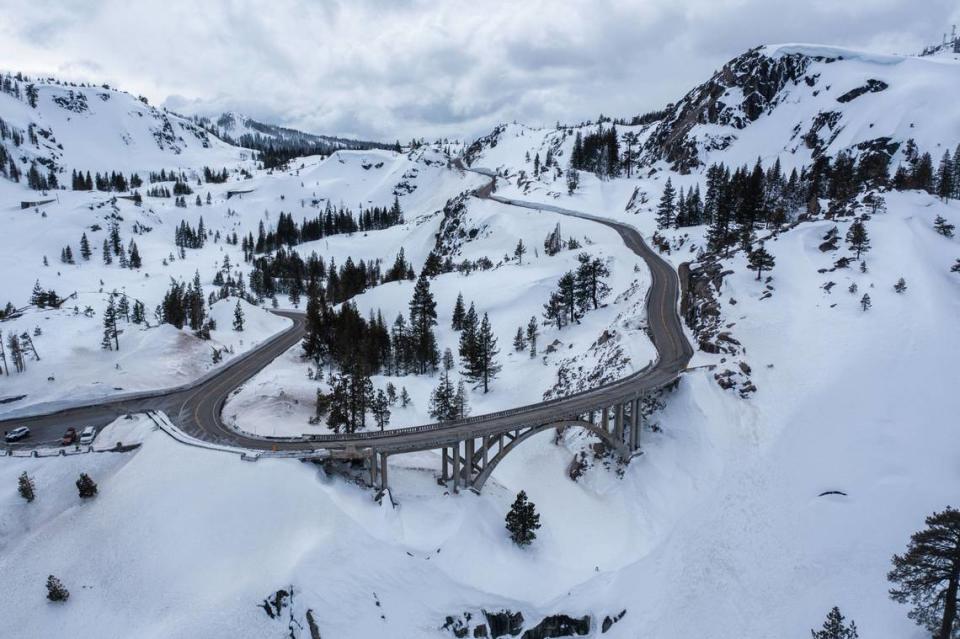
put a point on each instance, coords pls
(506, 623)
(559, 626)
(736, 95)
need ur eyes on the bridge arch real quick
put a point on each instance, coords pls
(608, 437)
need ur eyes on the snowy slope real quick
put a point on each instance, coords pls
(100, 129)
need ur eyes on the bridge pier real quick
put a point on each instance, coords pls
(456, 468)
(383, 472)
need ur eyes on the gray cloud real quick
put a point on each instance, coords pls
(395, 69)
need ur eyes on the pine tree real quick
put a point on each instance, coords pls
(56, 591)
(481, 365)
(519, 340)
(314, 341)
(532, 332)
(865, 302)
(461, 402)
(111, 336)
(25, 487)
(138, 316)
(423, 317)
(238, 317)
(943, 227)
(85, 251)
(405, 397)
(666, 210)
(86, 486)
(107, 255)
(835, 628)
(927, 575)
(520, 249)
(760, 260)
(900, 286)
(380, 407)
(857, 238)
(590, 284)
(442, 407)
(458, 314)
(134, 260)
(522, 521)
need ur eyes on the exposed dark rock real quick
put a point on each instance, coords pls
(872, 86)
(504, 623)
(312, 625)
(480, 630)
(559, 626)
(608, 621)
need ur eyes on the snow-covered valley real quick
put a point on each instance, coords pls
(811, 434)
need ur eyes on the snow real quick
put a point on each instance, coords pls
(719, 529)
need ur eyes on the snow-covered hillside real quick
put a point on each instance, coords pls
(67, 127)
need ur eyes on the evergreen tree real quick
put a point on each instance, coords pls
(520, 249)
(238, 317)
(25, 487)
(760, 260)
(380, 407)
(107, 255)
(943, 227)
(56, 591)
(442, 400)
(590, 286)
(134, 260)
(927, 575)
(138, 315)
(666, 210)
(461, 402)
(522, 521)
(835, 628)
(900, 286)
(315, 339)
(423, 317)
(86, 486)
(111, 336)
(458, 314)
(85, 251)
(481, 365)
(405, 397)
(865, 302)
(519, 340)
(857, 238)
(532, 333)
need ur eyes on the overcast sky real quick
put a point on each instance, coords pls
(389, 69)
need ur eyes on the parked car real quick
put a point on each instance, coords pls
(87, 435)
(18, 433)
(69, 437)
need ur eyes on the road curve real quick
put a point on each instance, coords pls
(197, 409)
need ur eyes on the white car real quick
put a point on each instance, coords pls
(87, 435)
(18, 433)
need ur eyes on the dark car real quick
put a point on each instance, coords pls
(18, 433)
(69, 437)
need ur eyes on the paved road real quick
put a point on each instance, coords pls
(197, 410)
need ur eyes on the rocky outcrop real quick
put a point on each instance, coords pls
(736, 95)
(506, 623)
(559, 626)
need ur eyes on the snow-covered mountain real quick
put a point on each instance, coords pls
(64, 127)
(794, 102)
(244, 131)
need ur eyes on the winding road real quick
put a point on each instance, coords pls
(196, 409)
